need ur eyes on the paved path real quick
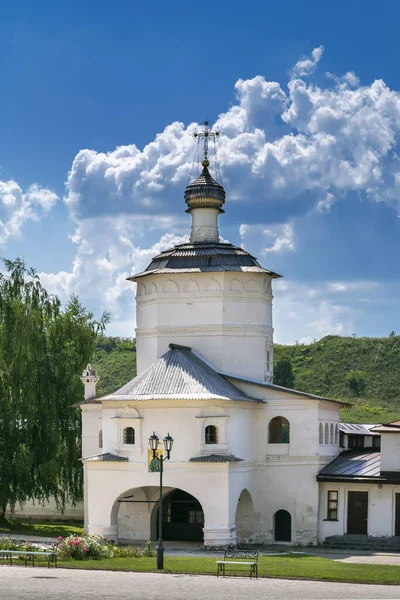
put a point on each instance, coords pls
(20, 583)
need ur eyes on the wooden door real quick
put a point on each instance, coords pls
(397, 516)
(357, 513)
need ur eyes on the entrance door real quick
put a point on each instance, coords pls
(357, 513)
(283, 526)
(183, 518)
(397, 516)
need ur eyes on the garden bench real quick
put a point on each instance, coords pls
(29, 556)
(242, 560)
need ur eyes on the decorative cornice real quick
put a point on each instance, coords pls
(204, 296)
(201, 330)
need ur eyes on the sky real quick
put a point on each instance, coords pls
(98, 106)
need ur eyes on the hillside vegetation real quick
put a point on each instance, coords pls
(363, 371)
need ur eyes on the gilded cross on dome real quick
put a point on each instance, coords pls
(206, 134)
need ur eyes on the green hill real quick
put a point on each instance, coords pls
(364, 371)
(115, 362)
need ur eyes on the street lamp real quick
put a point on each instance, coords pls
(153, 444)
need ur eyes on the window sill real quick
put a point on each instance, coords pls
(332, 520)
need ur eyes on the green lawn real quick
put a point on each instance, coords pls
(52, 529)
(304, 567)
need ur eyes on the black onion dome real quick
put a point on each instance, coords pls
(204, 191)
(204, 257)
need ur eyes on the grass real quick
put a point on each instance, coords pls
(298, 567)
(52, 529)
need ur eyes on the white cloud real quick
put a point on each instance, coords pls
(283, 242)
(310, 145)
(307, 65)
(17, 207)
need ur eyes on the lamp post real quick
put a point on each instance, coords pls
(153, 443)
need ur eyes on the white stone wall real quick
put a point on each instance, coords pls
(381, 508)
(47, 512)
(91, 426)
(226, 317)
(390, 452)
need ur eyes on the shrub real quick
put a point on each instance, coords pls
(85, 546)
(126, 552)
(148, 549)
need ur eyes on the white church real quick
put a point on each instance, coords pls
(251, 462)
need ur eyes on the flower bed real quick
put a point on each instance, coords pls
(97, 547)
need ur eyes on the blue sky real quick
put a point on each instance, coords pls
(96, 113)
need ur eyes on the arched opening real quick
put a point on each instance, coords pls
(336, 435)
(321, 433)
(279, 431)
(211, 435)
(100, 438)
(129, 435)
(246, 518)
(331, 439)
(183, 517)
(283, 526)
(326, 433)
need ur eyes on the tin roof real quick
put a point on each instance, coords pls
(204, 191)
(203, 257)
(178, 375)
(357, 429)
(393, 427)
(215, 458)
(353, 464)
(107, 457)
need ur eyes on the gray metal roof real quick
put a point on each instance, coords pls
(280, 388)
(203, 257)
(353, 464)
(179, 374)
(204, 190)
(107, 457)
(215, 458)
(357, 429)
(393, 427)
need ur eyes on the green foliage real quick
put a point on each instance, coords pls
(363, 371)
(115, 362)
(148, 549)
(127, 552)
(43, 350)
(283, 373)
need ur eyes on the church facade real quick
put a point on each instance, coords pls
(247, 454)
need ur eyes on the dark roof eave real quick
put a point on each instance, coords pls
(359, 479)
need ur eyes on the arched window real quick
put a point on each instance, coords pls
(321, 433)
(211, 434)
(279, 431)
(129, 435)
(326, 433)
(100, 438)
(336, 435)
(331, 436)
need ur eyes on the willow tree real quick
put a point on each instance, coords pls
(43, 350)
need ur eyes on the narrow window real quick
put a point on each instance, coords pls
(376, 442)
(129, 435)
(336, 435)
(333, 505)
(326, 433)
(321, 433)
(268, 361)
(211, 436)
(331, 436)
(279, 431)
(100, 438)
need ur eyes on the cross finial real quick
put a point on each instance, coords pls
(206, 134)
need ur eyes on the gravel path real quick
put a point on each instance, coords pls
(20, 583)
